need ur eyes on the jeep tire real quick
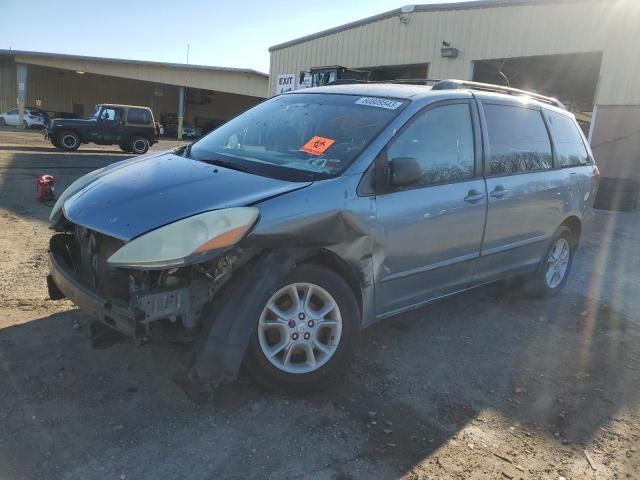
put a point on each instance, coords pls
(138, 145)
(68, 141)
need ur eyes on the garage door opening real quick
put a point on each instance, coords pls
(571, 78)
(413, 73)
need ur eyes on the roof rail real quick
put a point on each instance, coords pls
(400, 81)
(488, 87)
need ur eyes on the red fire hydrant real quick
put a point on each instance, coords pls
(45, 188)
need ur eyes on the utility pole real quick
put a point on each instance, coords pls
(187, 54)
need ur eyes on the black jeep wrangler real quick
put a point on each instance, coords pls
(132, 128)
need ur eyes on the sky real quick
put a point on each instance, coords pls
(224, 33)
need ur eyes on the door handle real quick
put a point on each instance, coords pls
(499, 192)
(473, 196)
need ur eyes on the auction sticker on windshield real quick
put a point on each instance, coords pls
(317, 145)
(378, 102)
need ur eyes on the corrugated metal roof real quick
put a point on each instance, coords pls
(463, 5)
(184, 66)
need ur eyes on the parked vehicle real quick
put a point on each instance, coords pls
(280, 235)
(188, 131)
(32, 118)
(132, 128)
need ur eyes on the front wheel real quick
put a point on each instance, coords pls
(138, 145)
(69, 141)
(554, 269)
(2, 122)
(306, 332)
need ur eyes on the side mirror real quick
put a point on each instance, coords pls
(404, 171)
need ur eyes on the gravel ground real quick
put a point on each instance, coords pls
(489, 384)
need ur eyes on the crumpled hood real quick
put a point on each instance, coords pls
(134, 197)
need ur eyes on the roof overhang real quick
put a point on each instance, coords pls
(229, 80)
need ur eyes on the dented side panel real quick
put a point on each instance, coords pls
(327, 216)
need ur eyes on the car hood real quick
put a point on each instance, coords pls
(144, 193)
(68, 122)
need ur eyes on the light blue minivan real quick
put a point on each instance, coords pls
(273, 240)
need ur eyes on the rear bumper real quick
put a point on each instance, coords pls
(113, 316)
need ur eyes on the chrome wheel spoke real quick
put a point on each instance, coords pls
(324, 311)
(309, 353)
(276, 311)
(307, 297)
(321, 346)
(327, 323)
(296, 303)
(287, 355)
(275, 350)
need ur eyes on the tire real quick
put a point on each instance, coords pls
(138, 145)
(289, 370)
(68, 141)
(543, 283)
(54, 292)
(2, 122)
(125, 148)
(26, 125)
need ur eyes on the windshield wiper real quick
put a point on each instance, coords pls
(231, 165)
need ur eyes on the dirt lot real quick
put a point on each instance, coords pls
(489, 384)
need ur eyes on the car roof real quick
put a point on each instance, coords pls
(413, 92)
(401, 91)
(120, 105)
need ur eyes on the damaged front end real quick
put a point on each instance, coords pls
(130, 299)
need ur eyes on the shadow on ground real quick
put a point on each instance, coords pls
(563, 367)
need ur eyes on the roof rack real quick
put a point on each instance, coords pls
(399, 81)
(488, 87)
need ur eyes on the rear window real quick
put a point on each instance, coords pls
(568, 141)
(138, 116)
(518, 138)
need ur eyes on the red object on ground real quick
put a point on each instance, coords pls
(45, 188)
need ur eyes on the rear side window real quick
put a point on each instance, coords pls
(441, 140)
(568, 141)
(518, 138)
(138, 116)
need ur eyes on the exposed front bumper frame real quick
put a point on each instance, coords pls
(113, 316)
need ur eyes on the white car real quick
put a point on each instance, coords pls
(188, 131)
(31, 119)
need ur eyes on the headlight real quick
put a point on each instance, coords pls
(187, 241)
(71, 190)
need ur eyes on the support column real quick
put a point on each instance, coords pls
(181, 93)
(22, 91)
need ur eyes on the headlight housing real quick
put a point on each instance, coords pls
(188, 241)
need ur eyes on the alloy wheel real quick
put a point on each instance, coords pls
(557, 262)
(300, 328)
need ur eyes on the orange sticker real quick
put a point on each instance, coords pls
(317, 145)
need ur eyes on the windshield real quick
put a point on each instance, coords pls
(299, 135)
(96, 112)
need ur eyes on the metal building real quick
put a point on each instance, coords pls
(201, 95)
(583, 52)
